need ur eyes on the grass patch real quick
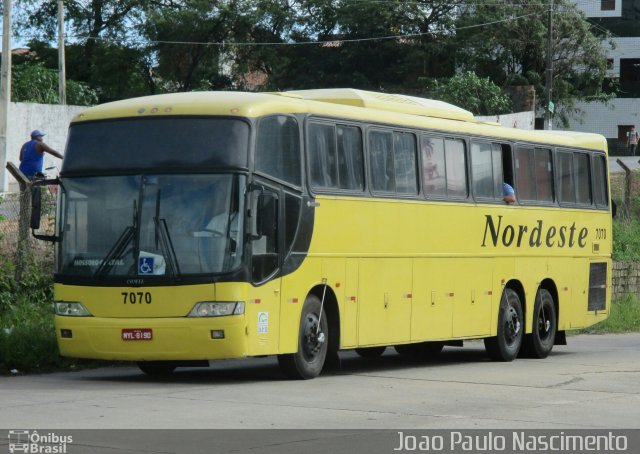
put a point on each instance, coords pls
(623, 318)
(27, 335)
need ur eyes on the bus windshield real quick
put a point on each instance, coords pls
(151, 225)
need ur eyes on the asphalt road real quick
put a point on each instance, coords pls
(594, 382)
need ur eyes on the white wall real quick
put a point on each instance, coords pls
(605, 120)
(592, 8)
(520, 120)
(52, 119)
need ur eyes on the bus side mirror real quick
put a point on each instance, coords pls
(38, 205)
(267, 214)
(263, 215)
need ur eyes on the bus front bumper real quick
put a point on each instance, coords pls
(152, 339)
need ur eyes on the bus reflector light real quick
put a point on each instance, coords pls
(217, 308)
(66, 333)
(217, 334)
(70, 309)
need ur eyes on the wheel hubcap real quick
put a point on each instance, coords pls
(544, 324)
(512, 325)
(313, 338)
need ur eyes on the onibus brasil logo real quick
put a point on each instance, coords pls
(30, 441)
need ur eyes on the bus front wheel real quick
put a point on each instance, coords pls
(313, 342)
(539, 343)
(506, 345)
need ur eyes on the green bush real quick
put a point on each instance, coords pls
(623, 318)
(27, 337)
(626, 240)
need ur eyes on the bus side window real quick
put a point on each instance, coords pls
(350, 158)
(600, 192)
(278, 148)
(544, 175)
(582, 171)
(322, 156)
(486, 171)
(456, 165)
(566, 193)
(405, 163)
(433, 166)
(381, 157)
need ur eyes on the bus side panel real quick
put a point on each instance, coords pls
(349, 321)
(263, 318)
(432, 311)
(384, 315)
(472, 301)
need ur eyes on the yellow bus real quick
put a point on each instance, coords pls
(201, 226)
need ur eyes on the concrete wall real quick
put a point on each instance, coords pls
(605, 120)
(52, 119)
(592, 8)
(625, 279)
(520, 120)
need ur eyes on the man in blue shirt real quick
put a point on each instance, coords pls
(32, 154)
(509, 195)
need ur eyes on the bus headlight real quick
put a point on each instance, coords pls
(70, 309)
(217, 308)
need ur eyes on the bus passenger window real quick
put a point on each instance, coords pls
(544, 175)
(582, 178)
(456, 165)
(525, 174)
(278, 148)
(566, 192)
(322, 156)
(404, 153)
(350, 158)
(382, 171)
(433, 168)
(486, 161)
(600, 192)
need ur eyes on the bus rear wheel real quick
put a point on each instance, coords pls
(540, 342)
(157, 368)
(506, 345)
(370, 352)
(313, 342)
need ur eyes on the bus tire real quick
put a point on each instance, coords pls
(540, 342)
(157, 368)
(371, 352)
(309, 360)
(506, 345)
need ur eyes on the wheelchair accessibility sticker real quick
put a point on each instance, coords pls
(145, 265)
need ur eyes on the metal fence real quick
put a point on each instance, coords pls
(16, 242)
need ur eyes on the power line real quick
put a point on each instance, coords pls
(337, 41)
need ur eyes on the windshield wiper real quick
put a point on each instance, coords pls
(120, 246)
(162, 231)
(163, 238)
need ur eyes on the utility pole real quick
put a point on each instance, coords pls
(62, 79)
(549, 107)
(5, 89)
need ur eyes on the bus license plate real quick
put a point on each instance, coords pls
(136, 334)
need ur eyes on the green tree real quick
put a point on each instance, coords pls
(507, 42)
(187, 38)
(478, 95)
(35, 83)
(370, 45)
(103, 46)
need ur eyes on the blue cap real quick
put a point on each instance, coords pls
(36, 133)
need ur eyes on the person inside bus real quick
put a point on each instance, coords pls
(32, 155)
(508, 194)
